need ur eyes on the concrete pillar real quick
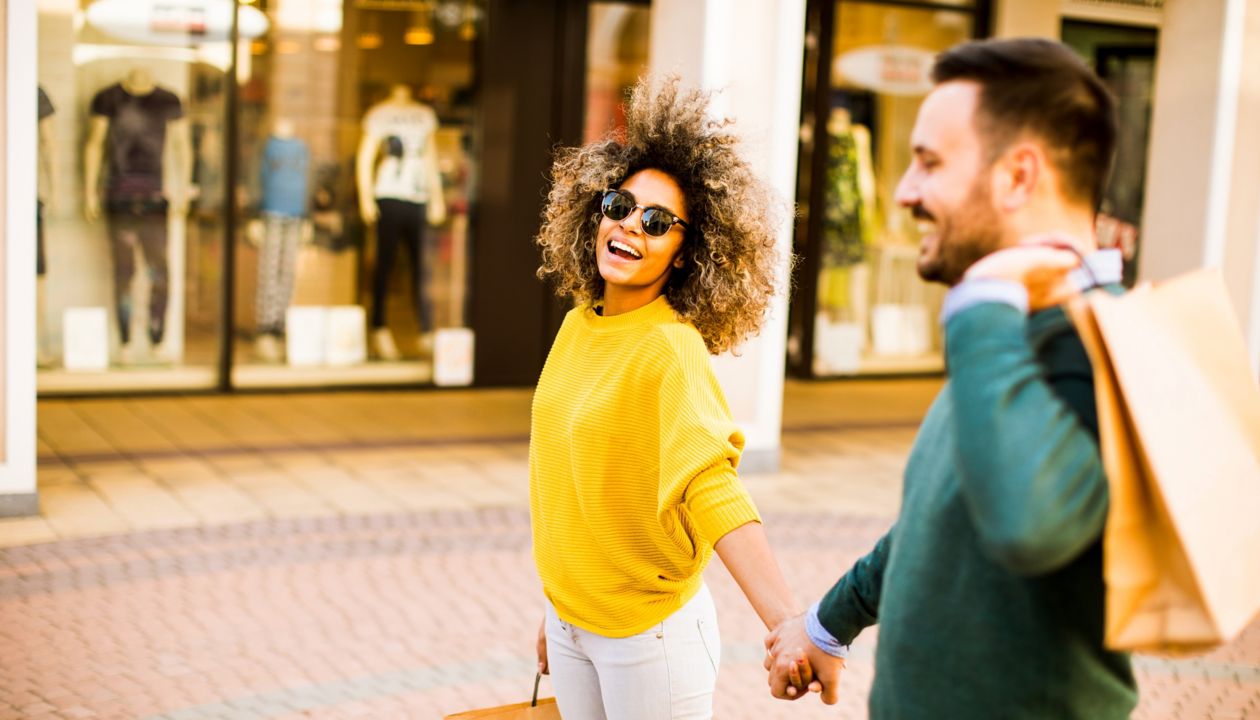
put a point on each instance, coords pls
(1203, 178)
(751, 52)
(17, 259)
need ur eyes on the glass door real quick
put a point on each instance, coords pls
(861, 308)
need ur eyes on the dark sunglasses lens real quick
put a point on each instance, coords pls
(616, 206)
(656, 223)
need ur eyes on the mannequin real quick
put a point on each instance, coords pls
(400, 193)
(138, 122)
(849, 219)
(285, 178)
(48, 157)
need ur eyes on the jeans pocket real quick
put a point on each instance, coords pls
(711, 641)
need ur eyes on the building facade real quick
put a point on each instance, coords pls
(316, 193)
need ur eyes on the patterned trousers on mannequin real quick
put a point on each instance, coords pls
(277, 262)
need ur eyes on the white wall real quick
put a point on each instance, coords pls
(1203, 177)
(751, 52)
(17, 467)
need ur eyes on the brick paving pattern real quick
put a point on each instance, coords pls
(366, 556)
(396, 615)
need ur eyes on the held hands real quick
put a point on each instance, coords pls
(796, 665)
(1041, 263)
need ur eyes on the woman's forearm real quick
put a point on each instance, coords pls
(746, 553)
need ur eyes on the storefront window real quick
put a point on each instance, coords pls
(1124, 57)
(352, 139)
(356, 158)
(131, 101)
(871, 311)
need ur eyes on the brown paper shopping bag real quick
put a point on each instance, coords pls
(535, 709)
(1179, 424)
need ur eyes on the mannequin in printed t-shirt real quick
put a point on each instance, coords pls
(400, 189)
(135, 124)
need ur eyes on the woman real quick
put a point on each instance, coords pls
(666, 240)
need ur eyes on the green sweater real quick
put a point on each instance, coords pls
(989, 589)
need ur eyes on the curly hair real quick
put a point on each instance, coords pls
(730, 258)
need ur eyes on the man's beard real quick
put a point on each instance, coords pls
(967, 234)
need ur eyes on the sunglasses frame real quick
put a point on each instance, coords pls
(674, 219)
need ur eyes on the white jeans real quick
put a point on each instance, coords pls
(667, 672)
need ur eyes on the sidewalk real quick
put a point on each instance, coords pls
(366, 555)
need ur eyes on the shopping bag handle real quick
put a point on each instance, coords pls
(537, 679)
(1093, 279)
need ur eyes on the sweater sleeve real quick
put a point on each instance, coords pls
(852, 604)
(700, 449)
(1028, 466)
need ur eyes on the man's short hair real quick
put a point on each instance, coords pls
(1040, 87)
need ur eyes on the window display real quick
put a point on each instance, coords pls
(868, 312)
(132, 103)
(356, 130)
(352, 141)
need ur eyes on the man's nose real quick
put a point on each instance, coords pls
(907, 193)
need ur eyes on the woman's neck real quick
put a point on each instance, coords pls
(618, 300)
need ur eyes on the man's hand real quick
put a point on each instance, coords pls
(543, 667)
(788, 650)
(1042, 264)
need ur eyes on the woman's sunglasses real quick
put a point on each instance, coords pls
(617, 205)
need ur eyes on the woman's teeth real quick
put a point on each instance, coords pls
(623, 250)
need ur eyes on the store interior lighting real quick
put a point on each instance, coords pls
(421, 30)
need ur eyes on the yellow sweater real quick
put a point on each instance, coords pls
(632, 463)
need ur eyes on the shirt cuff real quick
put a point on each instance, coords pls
(820, 637)
(983, 290)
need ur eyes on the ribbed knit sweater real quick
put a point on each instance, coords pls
(989, 587)
(633, 457)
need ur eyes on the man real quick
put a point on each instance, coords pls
(988, 588)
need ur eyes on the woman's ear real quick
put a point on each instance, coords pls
(678, 261)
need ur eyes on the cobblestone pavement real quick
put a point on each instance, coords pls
(409, 592)
(399, 615)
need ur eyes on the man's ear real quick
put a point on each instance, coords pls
(1016, 175)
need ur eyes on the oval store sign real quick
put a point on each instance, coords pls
(174, 22)
(889, 69)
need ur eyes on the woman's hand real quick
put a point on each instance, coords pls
(542, 648)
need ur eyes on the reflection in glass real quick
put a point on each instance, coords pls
(874, 314)
(616, 55)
